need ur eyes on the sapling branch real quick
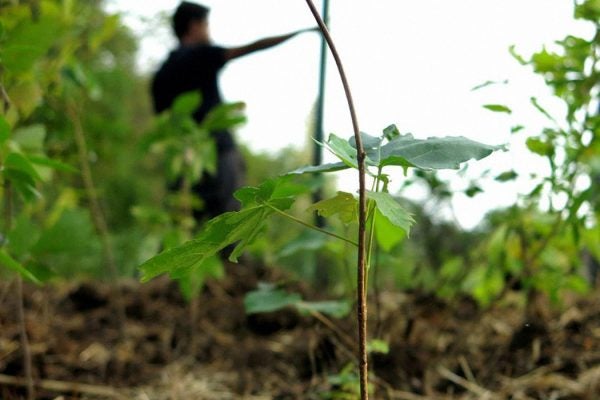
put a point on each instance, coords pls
(362, 211)
(27, 362)
(306, 224)
(98, 217)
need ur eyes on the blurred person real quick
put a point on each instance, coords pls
(194, 66)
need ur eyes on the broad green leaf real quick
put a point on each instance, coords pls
(30, 138)
(4, 130)
(71, 233)
(23, 183)
(261, 301)
(369, 142)
(589, 10)
(186, 103)
(433, 153)
(345, 205)
(392, 210)
(371, 145)
(224, 116)
(539, 147)
(106, 31)
(239, 228)
(335, 309)
(10, 263)
(387, 234)
(26, 96)
(577, 284)
(192, 281)
(308, 239)
(498, 108)
(18, 162)
(312, 169)
(378, 346)
(343, 150)
(50, 163)
(23, 236)
(30, 40)
(489, 283)
(279, 192)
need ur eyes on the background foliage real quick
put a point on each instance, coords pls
(65, 64)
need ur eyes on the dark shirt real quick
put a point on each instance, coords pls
(190, 68)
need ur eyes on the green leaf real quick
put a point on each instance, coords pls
(4, 130)
(240, 227)
(392, 210)
(433, 153)
(279, 192)
(387, 234)
(369, 142)
(577, 284)
(260, 301)
(589, 10)
(23, 236)
(23, 183)
(378, 346)
(507, 176)
(30, 40)
(345, 205)
(224, 116)
(541, 109)
(513, 52)
(54, 164)
(516, 128)
(473, 190)
(186, 103)
(26, 96)
(307, 240)
(31, 138)
(335, 309)
(18, 162)
(498, 108)
(312, 169)
(489, 83)
(343, 150)
(391, 132)
(192, 281)
(539, 147)
(10, 263)
(71, 233)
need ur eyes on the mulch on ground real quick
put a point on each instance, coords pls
(168, 349)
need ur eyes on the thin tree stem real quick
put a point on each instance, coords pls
(362, 212)
(97, 213)
(27, 364)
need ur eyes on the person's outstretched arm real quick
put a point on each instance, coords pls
(262, 44)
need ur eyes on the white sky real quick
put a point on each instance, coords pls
(410, 62)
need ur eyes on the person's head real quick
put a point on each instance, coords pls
(190, 23)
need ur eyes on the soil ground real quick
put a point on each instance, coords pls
(437, 349)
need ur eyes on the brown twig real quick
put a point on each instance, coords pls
(65, 387)
(362, 212)
(96, 211)
(27, 364)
